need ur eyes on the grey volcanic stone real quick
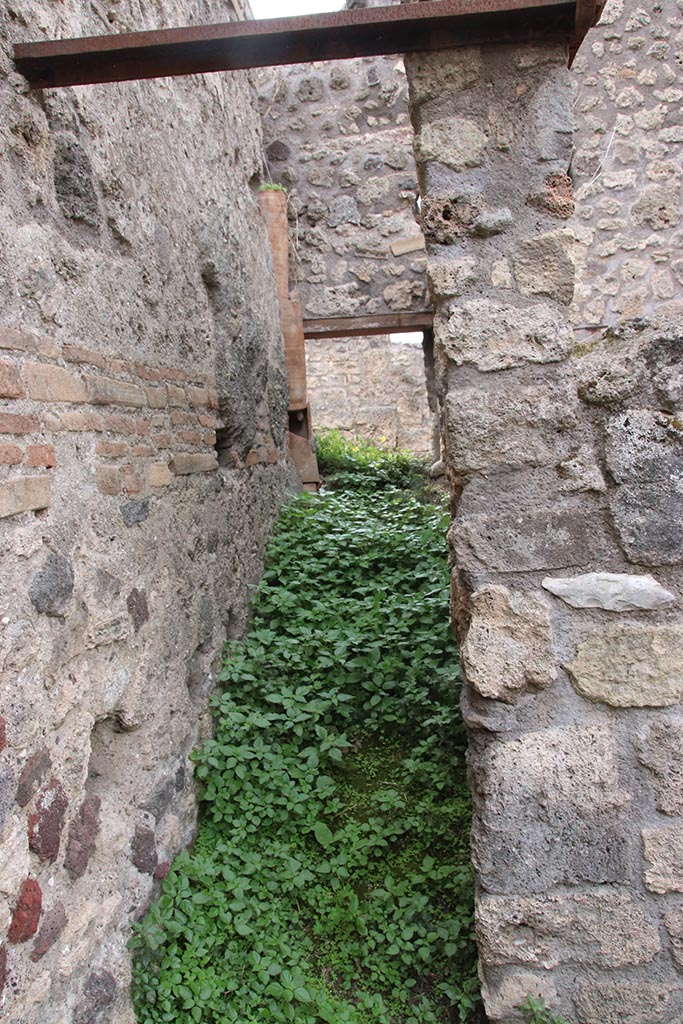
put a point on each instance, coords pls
(52, 587)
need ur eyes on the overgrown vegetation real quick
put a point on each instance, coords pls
(331, 879)
(360, 465)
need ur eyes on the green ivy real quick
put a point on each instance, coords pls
(331, 877)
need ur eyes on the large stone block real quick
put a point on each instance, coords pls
(661, 750)
(504, 997)
(525, 542)
(495, 337)
(454, 141)
(493, 427)
(648, 521)
(509, 646)
(599, 928)
(644, 445)
(549, 810)
(629, 666)
(544, 265)
(673, 921)
(663, 849)
(614, 1003)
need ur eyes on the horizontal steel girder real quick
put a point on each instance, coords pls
(405, 28)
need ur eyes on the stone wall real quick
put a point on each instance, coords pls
(564, 461)
(338, 139)
(371, 387)
(131, 335)
(627, 165)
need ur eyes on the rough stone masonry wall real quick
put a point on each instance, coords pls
(130, 332)
(371, 387)
(338, 139)
(628, 163)
(563, 461)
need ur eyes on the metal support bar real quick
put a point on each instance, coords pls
(418, 26)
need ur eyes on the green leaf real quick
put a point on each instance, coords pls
(323, 834)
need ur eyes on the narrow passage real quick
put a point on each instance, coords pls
(331, 877)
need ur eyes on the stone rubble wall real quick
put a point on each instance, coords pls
(338, 139)
(564, 461)
(372, 388)
(131, 534)
(628, 163)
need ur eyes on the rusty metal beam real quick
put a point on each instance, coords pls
(362, 32)
(367, 326)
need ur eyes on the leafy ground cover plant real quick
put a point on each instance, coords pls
(331, 878)
(360, 465)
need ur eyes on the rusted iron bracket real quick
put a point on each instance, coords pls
(368, 326)
(419, 26)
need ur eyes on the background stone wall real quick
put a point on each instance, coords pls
(564, 461)
(131, 334)
(627, 165)
(371, 387)
(338, 139)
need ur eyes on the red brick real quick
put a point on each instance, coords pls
(161, 870)
(213, 398)
(10, 455)
(209, 437)
(163, 440)
(76, 354)
(47, 383)
(157, 397)
(189, 437)
(272, 455)
(120, 424)
(143, 451)
(133, 483)
(251, 459)
(83, 837)
(46, 823)
(143, 426)
(24, 494)
(26, 341)
(176, 395)
(3, 734)
(108, 479)
(198, 396)
(184, 419)
(157, 373)
(54, 923)
(15, 423)
(34, 771)
(10, 382)
(111, 449)
(159, 475)
(208, 421)
(107, 391)
(41, 455)
(120, 367)
(26, 914)
(235, 460)
(79, 422)
(184, 463)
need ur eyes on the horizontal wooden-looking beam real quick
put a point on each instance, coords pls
(361, 32)
(366, 326)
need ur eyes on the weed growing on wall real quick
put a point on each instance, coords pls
(331, 878)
